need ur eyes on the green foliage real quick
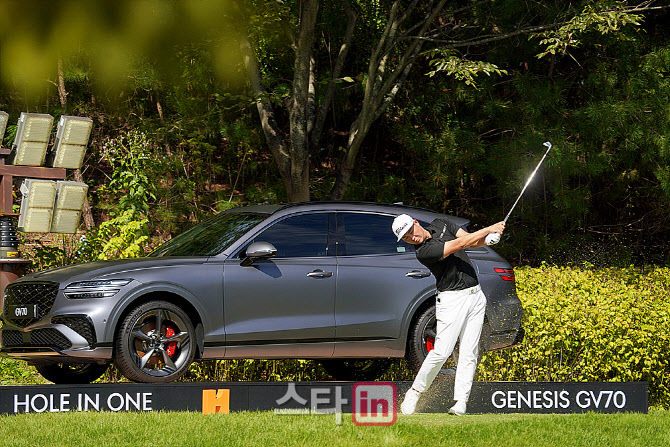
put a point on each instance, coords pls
(179, 141)
(14, 372)
(592, 18)
(586, 325)
(132, 182)
(255, 370)
(123, 236)
(115, 39)
(49, 255)
(120, 237)
(131, 160)
(461, 69)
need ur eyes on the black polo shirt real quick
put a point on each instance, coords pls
(455, 272)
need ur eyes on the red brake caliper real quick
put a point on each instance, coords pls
(430, 344)
(170, 347)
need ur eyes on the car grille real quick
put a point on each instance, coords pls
(41, 338)
(81, 325)
(42, 294)
(11, 339)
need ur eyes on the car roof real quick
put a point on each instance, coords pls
(423, 214)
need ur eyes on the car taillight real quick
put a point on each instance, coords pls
(506, 274)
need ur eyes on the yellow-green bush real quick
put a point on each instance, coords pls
(584, 324)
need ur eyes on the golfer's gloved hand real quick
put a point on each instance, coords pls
(492, 238)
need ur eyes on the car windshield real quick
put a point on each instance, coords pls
(211, 236)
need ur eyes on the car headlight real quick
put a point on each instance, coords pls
(95, 289)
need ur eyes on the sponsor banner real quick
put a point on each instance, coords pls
(370, 403)
(555, 397)
(201, 397)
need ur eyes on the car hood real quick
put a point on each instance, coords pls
(107, 269)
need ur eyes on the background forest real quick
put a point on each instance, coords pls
(179, 132)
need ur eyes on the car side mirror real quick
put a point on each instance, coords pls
(258, 250)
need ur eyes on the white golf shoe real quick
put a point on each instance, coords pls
(409, 403)
(459, 408)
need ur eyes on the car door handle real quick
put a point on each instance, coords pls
(319, 274)
(418, 274)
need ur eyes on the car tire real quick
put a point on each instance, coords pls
(421, 339)
(71, 373)
(356, 369)
(143, 354)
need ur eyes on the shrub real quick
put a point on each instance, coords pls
(586, 325)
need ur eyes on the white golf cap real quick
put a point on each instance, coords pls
(401, 225)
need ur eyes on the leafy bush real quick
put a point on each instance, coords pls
(120, 237)
(585, 325)
(131, 159)
(126, 233)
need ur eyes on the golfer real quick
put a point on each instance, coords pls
(460, 302)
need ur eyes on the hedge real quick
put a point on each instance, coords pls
(584, 324)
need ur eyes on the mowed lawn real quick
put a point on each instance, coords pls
(263, 429)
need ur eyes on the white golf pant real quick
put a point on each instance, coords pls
(460, 314)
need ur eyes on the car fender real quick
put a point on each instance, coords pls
(122, 306)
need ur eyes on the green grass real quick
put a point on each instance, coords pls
(17, 372)
(268, 429)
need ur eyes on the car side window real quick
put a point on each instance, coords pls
(300, 236)
(370, 234)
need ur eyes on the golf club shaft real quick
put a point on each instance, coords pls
(548, 144)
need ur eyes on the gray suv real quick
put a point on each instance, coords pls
(323, 280)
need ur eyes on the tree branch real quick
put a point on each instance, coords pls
(486, 38)
(407, 58)
(275, 140)
(337, 72)
(380, 92)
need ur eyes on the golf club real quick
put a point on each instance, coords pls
(494, 238)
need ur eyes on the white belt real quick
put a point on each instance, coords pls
(470, 290)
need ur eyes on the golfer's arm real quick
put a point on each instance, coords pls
(481, 242)
(465, 240)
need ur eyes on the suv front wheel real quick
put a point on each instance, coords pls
(155, 343)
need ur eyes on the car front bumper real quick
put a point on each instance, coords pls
(73, 341)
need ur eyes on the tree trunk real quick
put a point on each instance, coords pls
(273, 136)
(86, 212)
(292, 156)
(301, 110)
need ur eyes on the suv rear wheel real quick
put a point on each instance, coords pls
(422, 340)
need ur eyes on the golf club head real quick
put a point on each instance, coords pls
(547, 144)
